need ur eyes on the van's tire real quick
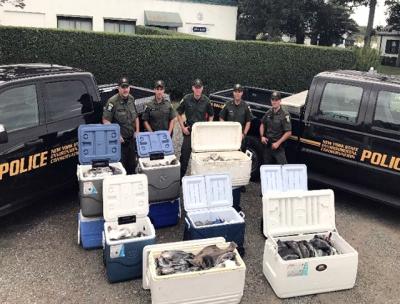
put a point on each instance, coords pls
(254, 145)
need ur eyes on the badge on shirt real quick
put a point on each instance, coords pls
(110, 107)
(287, 118)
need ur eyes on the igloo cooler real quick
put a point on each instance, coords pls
(295, 216)
(212, 286)
(90, 231)
(209, 212)
(164, 214)
(216, 149)
(158, 162)
(126, 207)
(99, 148)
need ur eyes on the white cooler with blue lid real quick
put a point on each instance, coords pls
(295, 216)
(158, 161)
(216, 149)
(126, 207)
(213, 286)
(99, 147)
(209, 198)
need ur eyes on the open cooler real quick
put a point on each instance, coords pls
(158, 161)
(209, 213)
(299, 216)
(127, 228)
(216, 149)
(99, 155)
(90, 231)
(211, 286)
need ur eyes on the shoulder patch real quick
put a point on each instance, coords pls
(110, 106)
(287, 118)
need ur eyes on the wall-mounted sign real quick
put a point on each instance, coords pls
(199, 29)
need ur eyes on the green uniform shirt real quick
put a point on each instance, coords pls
(123, 112)
(195, 110)
(158, 115)
(276, 124)
(232, 112)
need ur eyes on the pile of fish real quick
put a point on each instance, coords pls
(152, 163)
(124, 233)
(178, 261)
(218, 220)
(102, 172)
(316, 247)
(217, 157)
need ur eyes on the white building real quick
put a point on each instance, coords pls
(389, 44)
(210, 18)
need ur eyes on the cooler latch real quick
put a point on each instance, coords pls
(156, 156)
(100, 163)
(123, 220)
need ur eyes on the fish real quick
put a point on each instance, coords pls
(295, 247)
(304, 249)
(321, 244)
(209, 255)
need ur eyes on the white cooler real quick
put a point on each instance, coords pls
(299, 216)
(223, 140)
(215, 285)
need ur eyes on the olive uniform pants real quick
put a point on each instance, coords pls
(186, 150)
(277, 155)
(128, 156)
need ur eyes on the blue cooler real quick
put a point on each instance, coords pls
(99, 149)
(209, 213)
(126, 206)
(158, 161)
(164, 214)
(90, 231)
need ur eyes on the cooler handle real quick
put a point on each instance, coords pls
(187, 222)
(241, 213)
(249, 154)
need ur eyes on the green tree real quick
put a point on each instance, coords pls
(16, 3)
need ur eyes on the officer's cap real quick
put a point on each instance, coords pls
(238, 87)
(159, 84)
(123, 82)
(197, 83)
(275, 95)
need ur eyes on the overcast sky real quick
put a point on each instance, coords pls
(361, 15)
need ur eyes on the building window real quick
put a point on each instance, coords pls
(119, 26)
(19, 108)
(392, 47)
(74, 23)
(387, 111)
(340, 102)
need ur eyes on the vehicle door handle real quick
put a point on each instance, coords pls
(34, 142)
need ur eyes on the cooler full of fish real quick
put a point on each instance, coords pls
(304, 254)
(209, 213)
(166, 213)
(216, 149)
(158, 162)
(127, 228)
(90, 231)
(99, 155)
(197, 271)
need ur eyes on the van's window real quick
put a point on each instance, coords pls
(67, 99)
(19, 108)
(341, 102)
(387, 111)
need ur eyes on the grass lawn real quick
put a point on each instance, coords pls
(389, 70)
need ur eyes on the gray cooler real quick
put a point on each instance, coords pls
(99, 153)
(158, 162)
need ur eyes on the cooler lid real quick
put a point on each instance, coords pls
(298, 212)
(294, 177)
(216, 136)
(125, 195)
(154, 142)
(209, 191)
(99, 142)
(271, 179)
(182, 245)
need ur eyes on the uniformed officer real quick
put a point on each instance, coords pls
(120, 109)
(196, 107)
(237, 110)
(275, 129)
(159, 113)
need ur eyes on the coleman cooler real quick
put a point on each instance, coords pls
(99, 153)
(164, 214)
(297, 261)
(158, 162)
(216, 149)
(209, 212)
(127, 228)
(216, 285)
(90, 231)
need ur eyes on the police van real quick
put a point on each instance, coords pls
(41, 108)
(346, 129)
